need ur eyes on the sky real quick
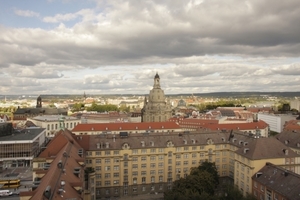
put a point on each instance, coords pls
(117, 46)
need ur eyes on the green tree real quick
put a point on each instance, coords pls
(199, 184)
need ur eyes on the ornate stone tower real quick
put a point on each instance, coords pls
(39, 102)
(156, 107)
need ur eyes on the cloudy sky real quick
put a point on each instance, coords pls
(117, 46)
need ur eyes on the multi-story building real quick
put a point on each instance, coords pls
(18, 148)
(276, 122)
(290, 139)
(274, 182)
(139, 164)
(58, 172)
(156, 107)
(254, 154)
(52, 123)
(126, 128)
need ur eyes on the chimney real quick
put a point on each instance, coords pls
(114, 138)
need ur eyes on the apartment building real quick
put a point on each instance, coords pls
(136, 164)
(290, 139)
(274, 182)
(254, 154)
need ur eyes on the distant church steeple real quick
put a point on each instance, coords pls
(39, 102)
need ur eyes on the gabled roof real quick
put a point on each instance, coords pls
(125, 126)
(290, 138)
(292, 125)
(279, 180)
(266, 148)
(67, 155)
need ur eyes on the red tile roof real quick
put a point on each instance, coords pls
(292, 125)
(125, 126)
(62, 149)
(237, 126)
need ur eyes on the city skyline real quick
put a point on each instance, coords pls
(117, 46)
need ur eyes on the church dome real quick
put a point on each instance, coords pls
(181, 103)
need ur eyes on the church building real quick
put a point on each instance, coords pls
(156, 107)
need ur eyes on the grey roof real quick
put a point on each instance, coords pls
(25, 134)
(265, 148)
(160, 139)
(290, 139)
(279, 180)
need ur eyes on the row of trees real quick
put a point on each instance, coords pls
(202, 184)
(98, 108)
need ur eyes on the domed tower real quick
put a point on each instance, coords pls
(39, 102)
(156, 108)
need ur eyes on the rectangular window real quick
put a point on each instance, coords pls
(98, 161)
(152, 165)
(194, 162)
(144, 151)
(116, 152)
(178, 156)
(194, 148)
(178, 149)
(116, 167)
(185, 162)
(116, 175)
(107, 153)
(186, 148)
(107, 161)
(134, 166)
(134, 151)
(178, 163)
(152, 158)
(152, 172)
(107, 175)
(160, 164)
(160, 171)
(107, 183)
(153, 150)
(134, 159)
(144, 166)
(134, 173)
(160, 150)
(98, 153)
(194, 155)
(143, 173)
(185, 155)
(116, 160)
(143, 158)
(161, 157)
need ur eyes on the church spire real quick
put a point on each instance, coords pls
(156, 81)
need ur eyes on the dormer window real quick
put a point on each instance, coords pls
(143, 143)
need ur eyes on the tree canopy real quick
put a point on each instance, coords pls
(200, 184)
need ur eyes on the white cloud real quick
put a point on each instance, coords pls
(118, 46)
(26, 13)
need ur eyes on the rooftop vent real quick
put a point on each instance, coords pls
(59, 164)
(246, 150)
(47, 192)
